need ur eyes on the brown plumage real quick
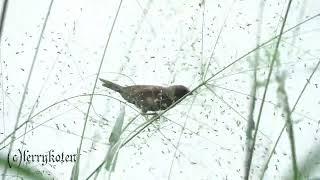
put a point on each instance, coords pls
(148, 97)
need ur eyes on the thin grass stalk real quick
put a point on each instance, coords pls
(265, 92)
(216, 42)
(238, 113)
(132, 41)
(2, 21)
(97, 170)
(203, 4)
(36, 102)
(114, 138)
(43, 125)
(3, 16)
(250, 123)
(179, 140)
(27, 85)
(226, 67)
(277, 139)
(101, 164)
(286, 109)
(116, 145)
(221, 99)
(285, 125)
(82, 95)
(95, 83)
(301, 15)
(212, 76)
(54, 104)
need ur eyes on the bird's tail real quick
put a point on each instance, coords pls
(111, 85)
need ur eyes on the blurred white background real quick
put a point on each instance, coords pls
(162, 43)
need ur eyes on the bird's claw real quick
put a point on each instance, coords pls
(146, 114)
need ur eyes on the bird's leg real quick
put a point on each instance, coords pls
(154, 115)
(146, 114)
(149, 114)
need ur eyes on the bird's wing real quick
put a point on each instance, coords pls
(147, 98)
(144, 90)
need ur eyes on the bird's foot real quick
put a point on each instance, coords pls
(146, 114)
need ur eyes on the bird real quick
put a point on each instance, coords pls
(148, 97)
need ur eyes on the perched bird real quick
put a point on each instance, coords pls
(148, 97)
